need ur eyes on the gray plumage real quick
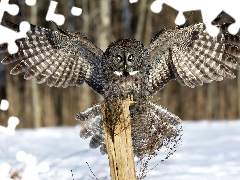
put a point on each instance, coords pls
(186, 54)
(152, 126)
(60, 58)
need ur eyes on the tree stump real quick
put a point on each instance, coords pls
(117, 132)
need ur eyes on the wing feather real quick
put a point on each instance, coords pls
(39, 67)
(60, 58)
(70, 74)
(30, 61)
(193, 56)
(41, 78)
(65, 73)
(55, 78)
(195, 68)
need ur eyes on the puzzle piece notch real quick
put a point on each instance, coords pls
(51, 16)
(10, 129)
(59, 18)
(208, 13)
(133, 1)
(12, 9)
(12, 36)
(234, 12)
(30, 2)
(4, 171)
(4, 105)
(32, 169)
(76, 11)
(233, 28)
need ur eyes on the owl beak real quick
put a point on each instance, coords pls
(125, 72)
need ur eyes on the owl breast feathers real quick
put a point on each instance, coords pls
(186, 54)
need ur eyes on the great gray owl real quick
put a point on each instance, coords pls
(186, 54)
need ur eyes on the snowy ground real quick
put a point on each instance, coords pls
(210, 150)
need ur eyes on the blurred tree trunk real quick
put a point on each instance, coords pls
(87, 96)
(85, 16)
(99, 20)
(126, 19)
(221, 100)
(210, 91)
(105, 24)
(141, 19)
(35, 102)
(148, 27)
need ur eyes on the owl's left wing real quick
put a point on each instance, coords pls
(60, 58)
(191, 56)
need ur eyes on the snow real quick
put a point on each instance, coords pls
(10, 129)
(209, 150)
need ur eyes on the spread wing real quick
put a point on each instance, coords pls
(60, 58)
(191, 56)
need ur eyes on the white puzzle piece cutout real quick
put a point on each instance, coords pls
(59, 18)
(209, 10)
(32, 168)
(51, 16)
(11, 36)
(4, 105)
(133, 1)
(4, 171)
(30, 2)
(10, 129)
(76, 11)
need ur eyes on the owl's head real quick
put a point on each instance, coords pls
(124, 57)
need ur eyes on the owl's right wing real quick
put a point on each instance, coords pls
(191, 56)
(60, 58)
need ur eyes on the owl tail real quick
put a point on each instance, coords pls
(153, 128)
(90, 112)
(159, 110)
(93, 127)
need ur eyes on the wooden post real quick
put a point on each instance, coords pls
(117, 132)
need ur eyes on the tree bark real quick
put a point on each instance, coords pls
(117, 133)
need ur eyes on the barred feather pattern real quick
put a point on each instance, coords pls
(191, 56)
(152, 126)
(60, 58)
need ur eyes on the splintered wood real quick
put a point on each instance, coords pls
(117, 132)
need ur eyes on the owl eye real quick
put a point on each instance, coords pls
(119, 58)
(130, 57)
